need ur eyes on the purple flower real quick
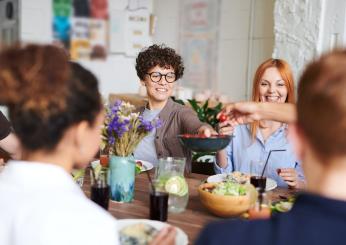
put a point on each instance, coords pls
(148, 126)
(111, 140)
(121, 119)
(118, 102)
(115, 108)
(117, 127)
(157, 123)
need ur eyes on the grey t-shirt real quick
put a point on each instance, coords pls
(146, 150)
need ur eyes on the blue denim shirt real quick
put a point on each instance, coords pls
(243, 149)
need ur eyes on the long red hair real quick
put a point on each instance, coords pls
(286, 74)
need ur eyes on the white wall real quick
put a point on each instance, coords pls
(333, 32)
(305, 29)
(36, 21)
(167, 24)
(246, 40)
(297, 30)
(238, 58)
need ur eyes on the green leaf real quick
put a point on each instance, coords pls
(178, 101)
(205, 106)
(218, 107)
(194, 104)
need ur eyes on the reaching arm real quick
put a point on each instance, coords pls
(221, 159)
(247, 112)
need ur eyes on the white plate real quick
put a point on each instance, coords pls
(270, 184)
(146, 165)
(95, 163)
(181, 238)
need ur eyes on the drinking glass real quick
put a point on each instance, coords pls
(158, 201)
(256, 168)
(259, 182)
(100, 190)
(78, 176)
(170, 172)
(261, 208)
(104, 157)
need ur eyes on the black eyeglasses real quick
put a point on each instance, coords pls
(157, 76)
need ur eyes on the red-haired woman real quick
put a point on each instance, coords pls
(273, 83)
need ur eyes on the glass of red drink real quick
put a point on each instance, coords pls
(158, 201)
(259, 182)
(100, 190)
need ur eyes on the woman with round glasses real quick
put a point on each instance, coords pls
(158, 68)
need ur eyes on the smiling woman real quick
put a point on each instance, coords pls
(273, 83)
(158, 68)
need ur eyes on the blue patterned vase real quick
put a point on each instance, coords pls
(122, 178)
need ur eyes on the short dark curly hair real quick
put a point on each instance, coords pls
(160, 55)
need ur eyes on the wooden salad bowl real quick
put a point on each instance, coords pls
(225, 205)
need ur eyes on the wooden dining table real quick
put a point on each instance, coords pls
(191, 221)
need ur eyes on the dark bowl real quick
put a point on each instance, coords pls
(200, 143)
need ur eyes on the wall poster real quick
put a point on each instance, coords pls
(81, 26)
(198, 41)
(129, 26)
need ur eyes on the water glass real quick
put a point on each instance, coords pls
(170, 166)
(100, 190)
(171, 173)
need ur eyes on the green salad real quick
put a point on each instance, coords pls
(229, 188)
(283, 205)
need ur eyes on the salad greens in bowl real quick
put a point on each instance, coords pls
(229, 189)
(227, 199)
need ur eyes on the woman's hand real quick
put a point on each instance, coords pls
(241, 112)
(290, 176)
(226, 127)
(207, 131)
(165, 236)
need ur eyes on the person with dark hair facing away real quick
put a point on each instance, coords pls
(159, 68)
(318, 131)
(56, 111)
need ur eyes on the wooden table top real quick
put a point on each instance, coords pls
(191, 221)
